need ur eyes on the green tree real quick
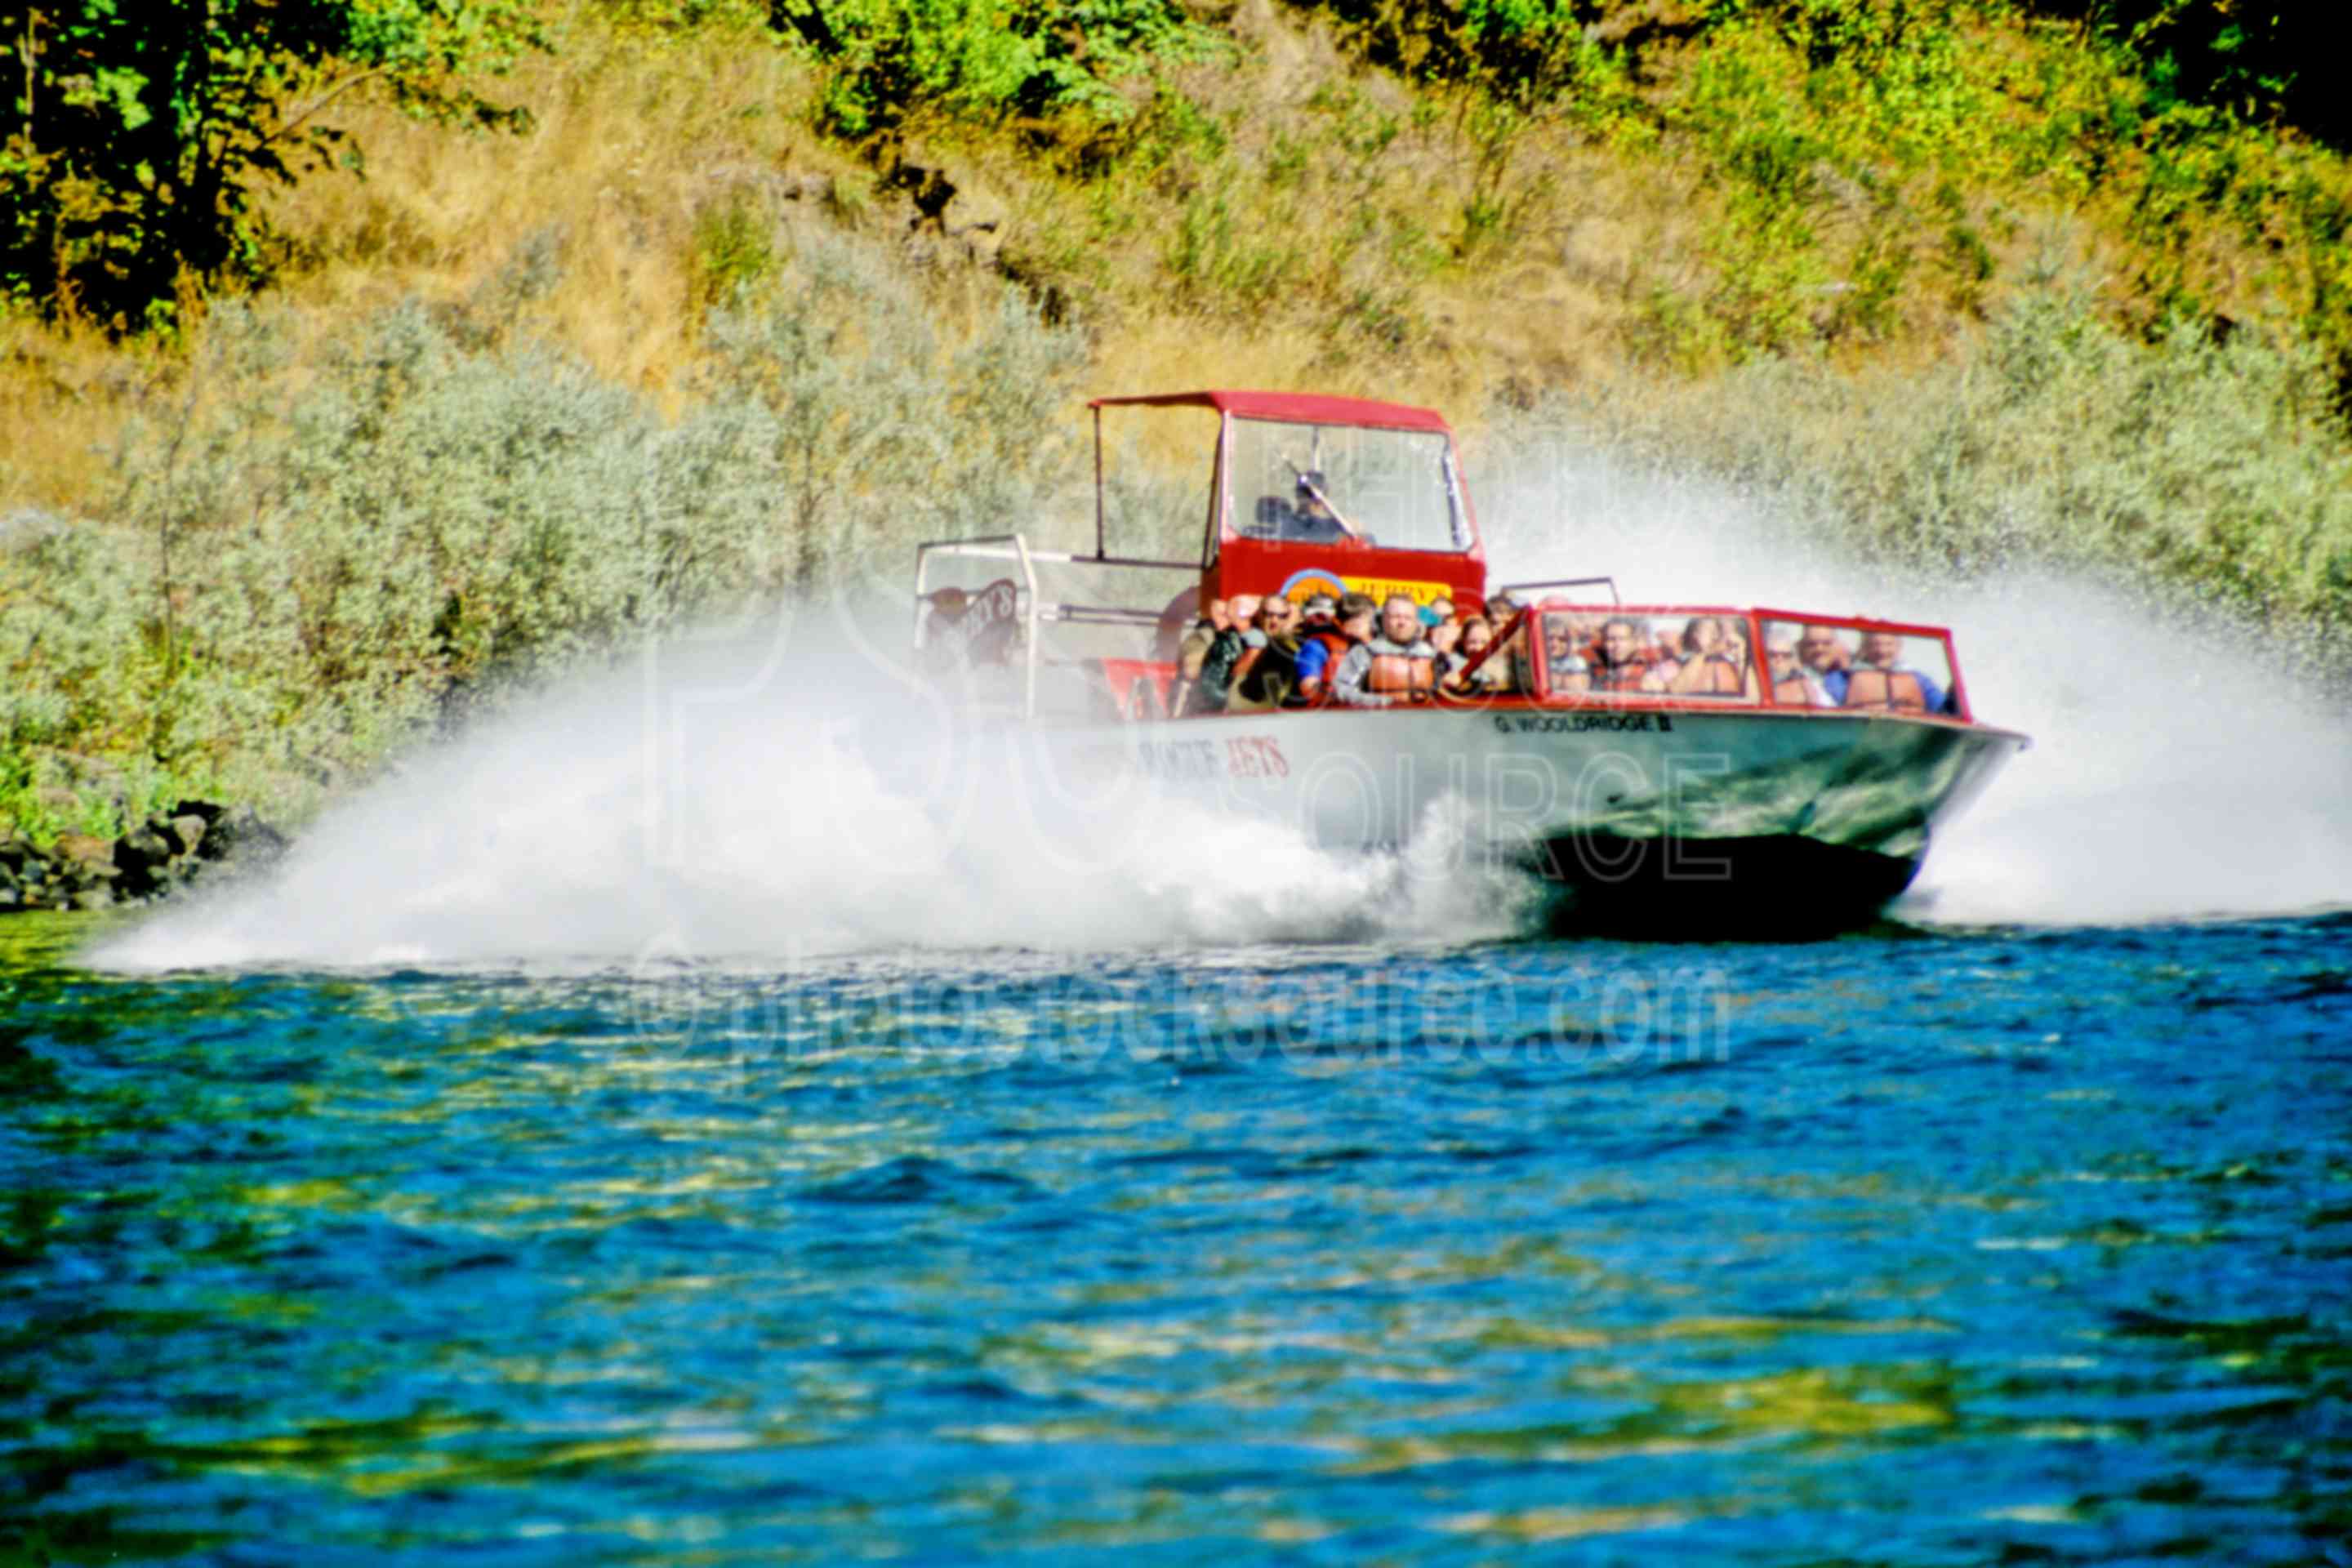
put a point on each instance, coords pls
(138, 132)
(983, 60)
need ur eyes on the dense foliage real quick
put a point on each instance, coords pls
(888, 59)
(2260, 62)
(138, 129)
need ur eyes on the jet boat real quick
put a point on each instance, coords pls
(1675, 766)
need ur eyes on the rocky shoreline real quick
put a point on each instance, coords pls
(167, 851)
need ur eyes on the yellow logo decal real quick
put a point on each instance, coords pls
(1303, 585)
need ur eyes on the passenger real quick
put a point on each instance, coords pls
(1735, 648)
(1793, 685)
(1192, 653)
(1360, 623)
(1564, 657)
(1268, 674)
(943, 639)
(1707, 668)
(1505, 671)
(1217, 670)
(1446, 636)
(1404, 661)
(1824, 652)
(1438, 612)
(1321, 647)
(1906, 687)
(1322, 644)
(1397, 666)
(1489, 677)
(1625, 662)
(1584, 631)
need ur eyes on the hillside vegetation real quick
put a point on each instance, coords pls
(588, 318)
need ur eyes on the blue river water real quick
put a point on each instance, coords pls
(1914, 1247)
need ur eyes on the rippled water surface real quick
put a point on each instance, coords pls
(1904, 1249)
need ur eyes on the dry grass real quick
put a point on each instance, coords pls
(1329, 205)
(634, 138)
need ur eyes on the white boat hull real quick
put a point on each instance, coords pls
(1834, 808)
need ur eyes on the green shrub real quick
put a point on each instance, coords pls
(983, 60)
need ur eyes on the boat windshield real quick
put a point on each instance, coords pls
(1322, 483)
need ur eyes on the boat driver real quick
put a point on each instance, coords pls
(1308, 520)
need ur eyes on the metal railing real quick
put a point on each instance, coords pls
(1515, 590)
(1030, 607)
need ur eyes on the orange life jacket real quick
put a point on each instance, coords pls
(1396, 672)
(1620, 677)
(1723, 675)
(1793, 693)
(1335, 643)
(1889, 688)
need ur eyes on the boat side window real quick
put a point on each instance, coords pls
(1821, 664)
(1596, 651)
(1900, 674)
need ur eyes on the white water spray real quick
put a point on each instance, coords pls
(739, 806)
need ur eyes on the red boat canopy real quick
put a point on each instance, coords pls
(1298, 407)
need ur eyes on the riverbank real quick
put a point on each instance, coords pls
(150, 861)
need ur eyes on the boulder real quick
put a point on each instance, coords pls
(245, 836)
(187, 829)
(142, 860)
(86, 857)
(83, 871)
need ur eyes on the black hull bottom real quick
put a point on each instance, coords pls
(1714, 889)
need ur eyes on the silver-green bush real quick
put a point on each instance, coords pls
(2203, 472)
(310, 562)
